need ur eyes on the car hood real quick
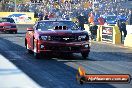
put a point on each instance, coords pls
(61, 32)
(6, 24)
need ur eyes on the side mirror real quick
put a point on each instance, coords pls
(30, 29)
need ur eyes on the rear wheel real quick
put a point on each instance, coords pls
(29, 51)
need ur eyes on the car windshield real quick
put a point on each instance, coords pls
(110, 18)
(56, 25)
(7, 20)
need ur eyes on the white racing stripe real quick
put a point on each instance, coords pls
(12, 77)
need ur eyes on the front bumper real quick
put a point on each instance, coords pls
(71, 47)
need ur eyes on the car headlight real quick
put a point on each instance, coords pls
(86, 46)
(45, 37)
(82, 37)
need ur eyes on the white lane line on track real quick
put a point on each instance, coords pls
(12, 77)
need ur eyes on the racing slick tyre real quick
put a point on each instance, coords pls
(37, 55)
(85, 55)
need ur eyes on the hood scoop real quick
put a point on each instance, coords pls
(60, 28)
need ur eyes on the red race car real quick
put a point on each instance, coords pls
(56, 36)
(8, 25)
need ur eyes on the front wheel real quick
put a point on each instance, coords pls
(37, 55)
(85, 54)
(29, 51)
